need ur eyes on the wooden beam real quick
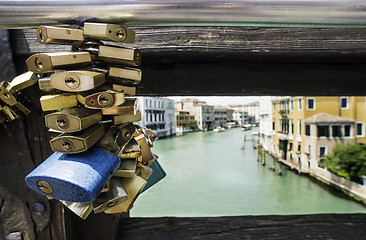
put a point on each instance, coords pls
(323, 226)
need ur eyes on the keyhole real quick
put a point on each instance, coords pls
(39, 64)
(105, 99)
(67, 145)
(62, 123)
(121, 33)
(42, 35)
(72, 81)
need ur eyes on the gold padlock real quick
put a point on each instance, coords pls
(72, 119)
(143, 171)
(100, 100)
(111, 32)
(145, 148)
(115, 196)
(79, 208)
(23, 81)
(77, 142)
(10, 99)
(125, 75)
(128, 56)
(128, 91)
(44, 85)
(130, 150)
(130, 107)
(116, 137)
(127, 168)
(58, 101)
(133, 187)
(130, 117)
(77, 81)
(10, 114)
(46, 62)
(48, 34)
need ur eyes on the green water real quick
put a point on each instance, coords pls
(208, 174)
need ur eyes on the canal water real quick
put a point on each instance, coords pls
(208, 174)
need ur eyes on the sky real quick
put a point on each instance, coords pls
(222, 101)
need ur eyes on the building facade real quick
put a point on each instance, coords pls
(157, 113)
(265, 123)
(240, 117)
(185, 122)
(221, 116)
(252, 110)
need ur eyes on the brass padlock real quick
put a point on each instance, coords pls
(117, 137)
(72, 119)
(23, 81)
(128, 56)
(77, 142)
(58, 101)
(130, 107)
(133, 187)
(46, 62)
(129, 117)
(10, 99)
(10, 113)
(44, 85)
(145, 148)
(77, 81)
(111, 32)
(125, 75)
(130, 150)
(115, 196)
(105, 99)
(143, 171)
(48, 34)
(127, 168)
(128, 91)
(79, 208)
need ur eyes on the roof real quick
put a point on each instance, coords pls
(327, 118)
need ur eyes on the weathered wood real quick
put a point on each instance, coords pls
(323, 226)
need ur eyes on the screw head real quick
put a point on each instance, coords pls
(45, 187)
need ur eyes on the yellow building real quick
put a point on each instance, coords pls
(306, 128)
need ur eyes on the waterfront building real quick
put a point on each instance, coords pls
(184, 121)
(240, 117)
(265, 123)
(157, 113)
(251, 108)
(306, 128)
(203, 113)
(220, 116)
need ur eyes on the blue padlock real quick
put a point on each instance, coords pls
(158, 173)
(74, 177)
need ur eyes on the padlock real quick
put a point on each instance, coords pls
(76, 81)
(81, 209)
(127, 168)
(128, 91)
(115, 196)
(58, 35)
(74, 177)
(10, 98)
(44, 85)
(128, 117)
(23, 81)
(125, 75)
(72, 119)
(130, 150)
(143, 171)
(116, 137)
(158, 174)
(46, 62)
(3, 118)
(128, 56)
(77, 142)
(150, 134)
(133, 187)
(111, 32)
(10, 114)
(145, 148)
(58, 101)
(100, 100)
(130, 107)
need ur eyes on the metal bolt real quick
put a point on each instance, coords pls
(45, 187)
(39, 208)
(14, 236)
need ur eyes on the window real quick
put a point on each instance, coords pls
(273, 125)
(360, 130)
(300, 104)
(344, 102)
(311, 104)
(292, 126)
(274, 107)
(299, 123)
(322, 151)
(336, 131)
(323, 131)
(292, 105)
(347, 130)
(299, 148)
(307, 130)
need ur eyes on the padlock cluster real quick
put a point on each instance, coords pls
(102, 161)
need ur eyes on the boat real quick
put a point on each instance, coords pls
(219, 129)
(246, 127)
